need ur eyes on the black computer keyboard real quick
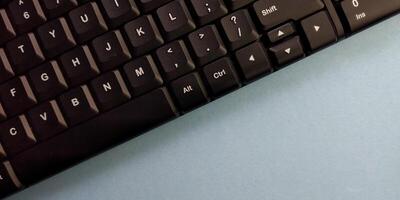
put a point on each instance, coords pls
(79, 76)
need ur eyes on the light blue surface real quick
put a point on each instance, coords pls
(325, 128)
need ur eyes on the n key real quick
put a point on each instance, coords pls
(17, 96)
(26, 14)
(24, 52)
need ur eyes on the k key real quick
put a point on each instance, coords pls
(26, 14)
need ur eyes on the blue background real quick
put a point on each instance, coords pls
(327, 127)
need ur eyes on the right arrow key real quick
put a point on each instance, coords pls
(288, 51)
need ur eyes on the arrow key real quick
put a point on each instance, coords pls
(281, 32)
(319, 30)
(288, 51)
(253, 60)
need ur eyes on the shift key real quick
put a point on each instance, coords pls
(271, 13)
(360, 13)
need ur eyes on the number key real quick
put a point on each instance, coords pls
(26, 14)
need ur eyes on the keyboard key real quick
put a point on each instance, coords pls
(87, 22)
(5, 68)
(111, 50)
(253, 61)
(143, 75)
(274, 12)
(207, 44)
(47, 120)
(110, 90)
(175, 59)
(55, 37)
(143, 35)
(221, 76)
(189, 91)
(26, 14)
(175, 19)
(288, 51)
(8, 181)
(55, 8)
(47, 80)
(281, 32)
(17, 96)
(79, 65)
(148, 5)
(66, 149)
(208, 10)
(120, 11)
(235, 4)
(16, 135)
(319, 30)
(24, 53)
(239, 29)
(360, 13)
(7, 31)
(3, 115)
(78, 105)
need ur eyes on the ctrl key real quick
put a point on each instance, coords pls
(189, 91)
(9, 183)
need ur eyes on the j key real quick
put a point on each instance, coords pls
(79, 65)
(47, 120)
(24, 52)
(120, 11)
(3, 115)
(55, 37)
(6, 71)
(78, 105)
(235, 4)
(288, 51)
(87, 22)
(7, 31)
(239, 29)
(17, 96)
(207, 44)
(143, 35)
(47, 80)
(148, 5)
(175, 19)
(55, 8)
(7, 184)
(208, 10)
(189, 91)
(274, 12)
(16, 135)
(253, 61)
(111, 50)
(360, 13)
(281, 32)
(88, 138)
(175, 59)
(143, 75)
(26, 14)
(110, 90)
(221, 76)
(319, 30)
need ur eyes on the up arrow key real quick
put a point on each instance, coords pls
(251, 58)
